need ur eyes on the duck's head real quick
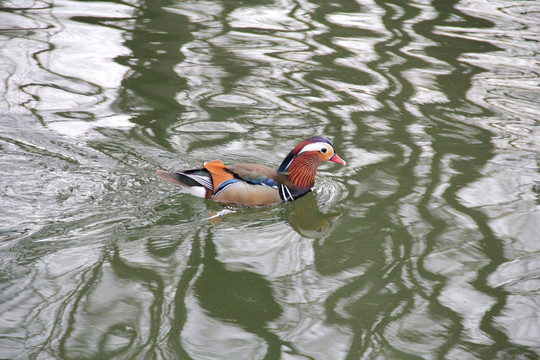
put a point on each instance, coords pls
(302, 162)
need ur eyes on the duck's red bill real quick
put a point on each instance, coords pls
(335, 158)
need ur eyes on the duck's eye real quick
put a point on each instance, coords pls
(324, 150)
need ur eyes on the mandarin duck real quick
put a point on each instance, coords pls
(254, 184)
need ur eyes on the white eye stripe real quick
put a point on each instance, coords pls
(315, 147)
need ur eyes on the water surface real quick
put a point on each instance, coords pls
(425, 246)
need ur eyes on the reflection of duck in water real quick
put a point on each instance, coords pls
(258, 185)
(308, 221)
(303, 216)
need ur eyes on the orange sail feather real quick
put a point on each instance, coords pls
(219, 172)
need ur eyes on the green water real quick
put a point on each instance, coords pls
(425, 246)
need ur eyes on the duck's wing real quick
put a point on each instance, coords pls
(259, 175)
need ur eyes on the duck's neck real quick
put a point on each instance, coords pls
(302, 171)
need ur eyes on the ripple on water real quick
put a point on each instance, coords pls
(63, 63)
(266, 17)
(330, 191)
(425, 244)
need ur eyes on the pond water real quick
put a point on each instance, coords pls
(425, 246)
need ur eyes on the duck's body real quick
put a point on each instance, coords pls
(254, 184)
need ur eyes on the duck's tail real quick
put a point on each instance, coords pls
(197, 182)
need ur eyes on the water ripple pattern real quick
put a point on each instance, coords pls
(425, 246)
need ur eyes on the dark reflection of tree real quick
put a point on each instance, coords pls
(380, 295)
(473, 142)
(241, 297)
(390, 298)
(148, 91)
(86, 321)
(180, 309)
(154, 283)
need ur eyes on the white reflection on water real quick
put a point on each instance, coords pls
(509, 87)
(59, 65)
